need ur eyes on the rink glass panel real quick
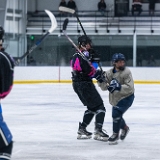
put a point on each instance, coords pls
(148, 51)
(57, 51)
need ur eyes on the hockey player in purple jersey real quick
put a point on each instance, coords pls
(6, 82)
(82, 74)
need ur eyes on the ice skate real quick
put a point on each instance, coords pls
(113, 139)
(124, 133)
(100, 134)
(83, 133)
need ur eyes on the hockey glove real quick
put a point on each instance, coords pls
(94, 57)
(114, 85)
(99, 76)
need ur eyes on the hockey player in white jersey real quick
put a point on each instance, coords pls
(119, 82)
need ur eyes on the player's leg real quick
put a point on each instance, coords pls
(117, 117)
(95, 104)
(127, 102)
(87, 118)
(6, 143)
(100, 115)
(118, 121)
(124, 129)
(77, 86)
(6, 151)
(88, 115)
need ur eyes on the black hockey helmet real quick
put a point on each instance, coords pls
(118, 57)
(83, 40)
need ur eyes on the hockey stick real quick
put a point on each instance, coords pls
(53, 27)
(72, 11)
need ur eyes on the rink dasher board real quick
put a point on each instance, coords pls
(70, 81)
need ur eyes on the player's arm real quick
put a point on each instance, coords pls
(124, 89)
(104, 85)
(87, 67)
(128, 86)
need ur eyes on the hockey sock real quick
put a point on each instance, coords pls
(87, 118)
(117, 117)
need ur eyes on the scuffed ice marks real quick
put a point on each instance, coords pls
(44, 121)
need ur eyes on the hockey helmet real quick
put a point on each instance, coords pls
(83, 40)
(118, 57)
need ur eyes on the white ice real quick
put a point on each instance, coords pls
(44, 120)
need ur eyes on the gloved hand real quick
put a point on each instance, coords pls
(99, 76)
(114, 85)
(94, 57)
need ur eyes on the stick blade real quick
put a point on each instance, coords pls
(53, 21)
(65, 23)
(65, 9)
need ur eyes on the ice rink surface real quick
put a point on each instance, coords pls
(44, 120)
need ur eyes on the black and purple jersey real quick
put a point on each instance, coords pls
(6, 74)
(79, 64)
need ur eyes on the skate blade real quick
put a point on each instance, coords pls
(81, 137)
(113, 143)
(99, 138)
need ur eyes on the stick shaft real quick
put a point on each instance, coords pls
(33, 47)
(80, 53)
(80, 24)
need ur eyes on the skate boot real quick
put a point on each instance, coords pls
(83, 133)
(113, 139)
(124, 133)
(100, 134)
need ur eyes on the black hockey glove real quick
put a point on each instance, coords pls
(94, 57)
(114, 85)
(99, 76)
